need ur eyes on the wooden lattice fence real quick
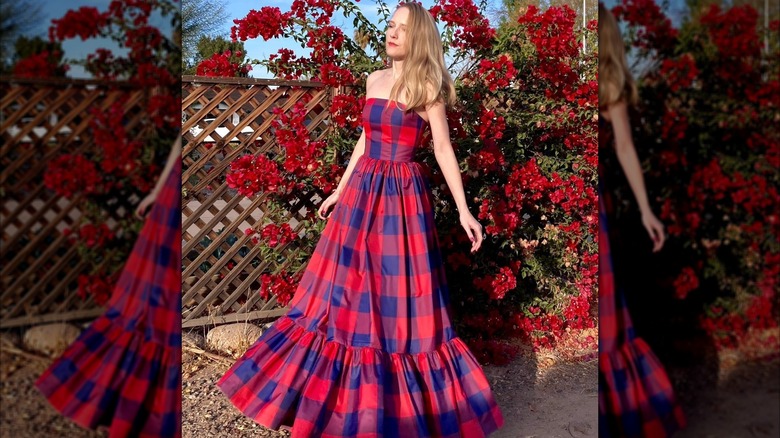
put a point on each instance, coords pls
(225, 119)
(40, 120)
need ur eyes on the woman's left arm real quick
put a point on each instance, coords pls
(174, 155)
(448, 162)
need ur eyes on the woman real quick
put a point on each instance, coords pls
(123, 373)
(367, 348)
(635, 395)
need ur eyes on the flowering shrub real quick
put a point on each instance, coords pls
(125, 159)
(711, 95)
(523, 130)
(42, 64)
(224, 64)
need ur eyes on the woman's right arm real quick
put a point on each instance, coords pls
(173, 156)
(360, 148)
(629, 161)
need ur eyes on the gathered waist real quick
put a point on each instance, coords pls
(413, 168)
(412, 161)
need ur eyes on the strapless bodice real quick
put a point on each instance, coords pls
(390, 133)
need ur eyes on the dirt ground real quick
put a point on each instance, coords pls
(544, 394)
(745, 404)
(24, 412)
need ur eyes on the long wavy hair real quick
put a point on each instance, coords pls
(615, 81)
(424, 62)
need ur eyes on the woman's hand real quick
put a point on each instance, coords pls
(327, 203)
(473, 229)
(142, 208)
(655, 228)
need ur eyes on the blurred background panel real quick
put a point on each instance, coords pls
(89, 110)
(706, 131)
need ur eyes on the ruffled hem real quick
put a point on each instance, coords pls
(636, 398)
(115, 377)
(295, 377)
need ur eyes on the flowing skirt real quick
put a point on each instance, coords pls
(124, 370)
(367, 348)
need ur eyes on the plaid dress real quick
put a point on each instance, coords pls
(124, 370)
(367, 348)
(636, 398)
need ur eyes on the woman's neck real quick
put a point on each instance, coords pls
(397, 68)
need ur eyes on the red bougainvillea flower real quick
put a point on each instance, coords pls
(526, 182)
(142, 42)
(325, 42)
(577, 312)
(40, 65)
(85, 22)
(497, 286)
(94, 235)
(334, 76)
(276, 235)
(165, 110)
(492, 126)
(254, 174)
(103, 65)
(137, 10)
(220, 65)
(488, 159)
(733, 31)
(680, 72)
(118, 154)
(268, 22)
(497, 74)
(149, 75)
(734, 34)
(673, 128)
(319, 10)
(71, 174)
(326, 178)
(502, 221)
(655, 29)
(552, 33)
(281, 285)
(472, 30)
(301, 153)
(345, 110)
(686, 282)
(99, 287)
(285, 64)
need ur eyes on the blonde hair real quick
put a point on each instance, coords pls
(424, 62)
(615, 81)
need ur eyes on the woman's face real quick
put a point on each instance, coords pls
(395, 41)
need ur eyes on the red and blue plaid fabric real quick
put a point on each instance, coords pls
(367, 348)
(124, 370)
(636, 398)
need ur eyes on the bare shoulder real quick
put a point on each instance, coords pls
(373, 76)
